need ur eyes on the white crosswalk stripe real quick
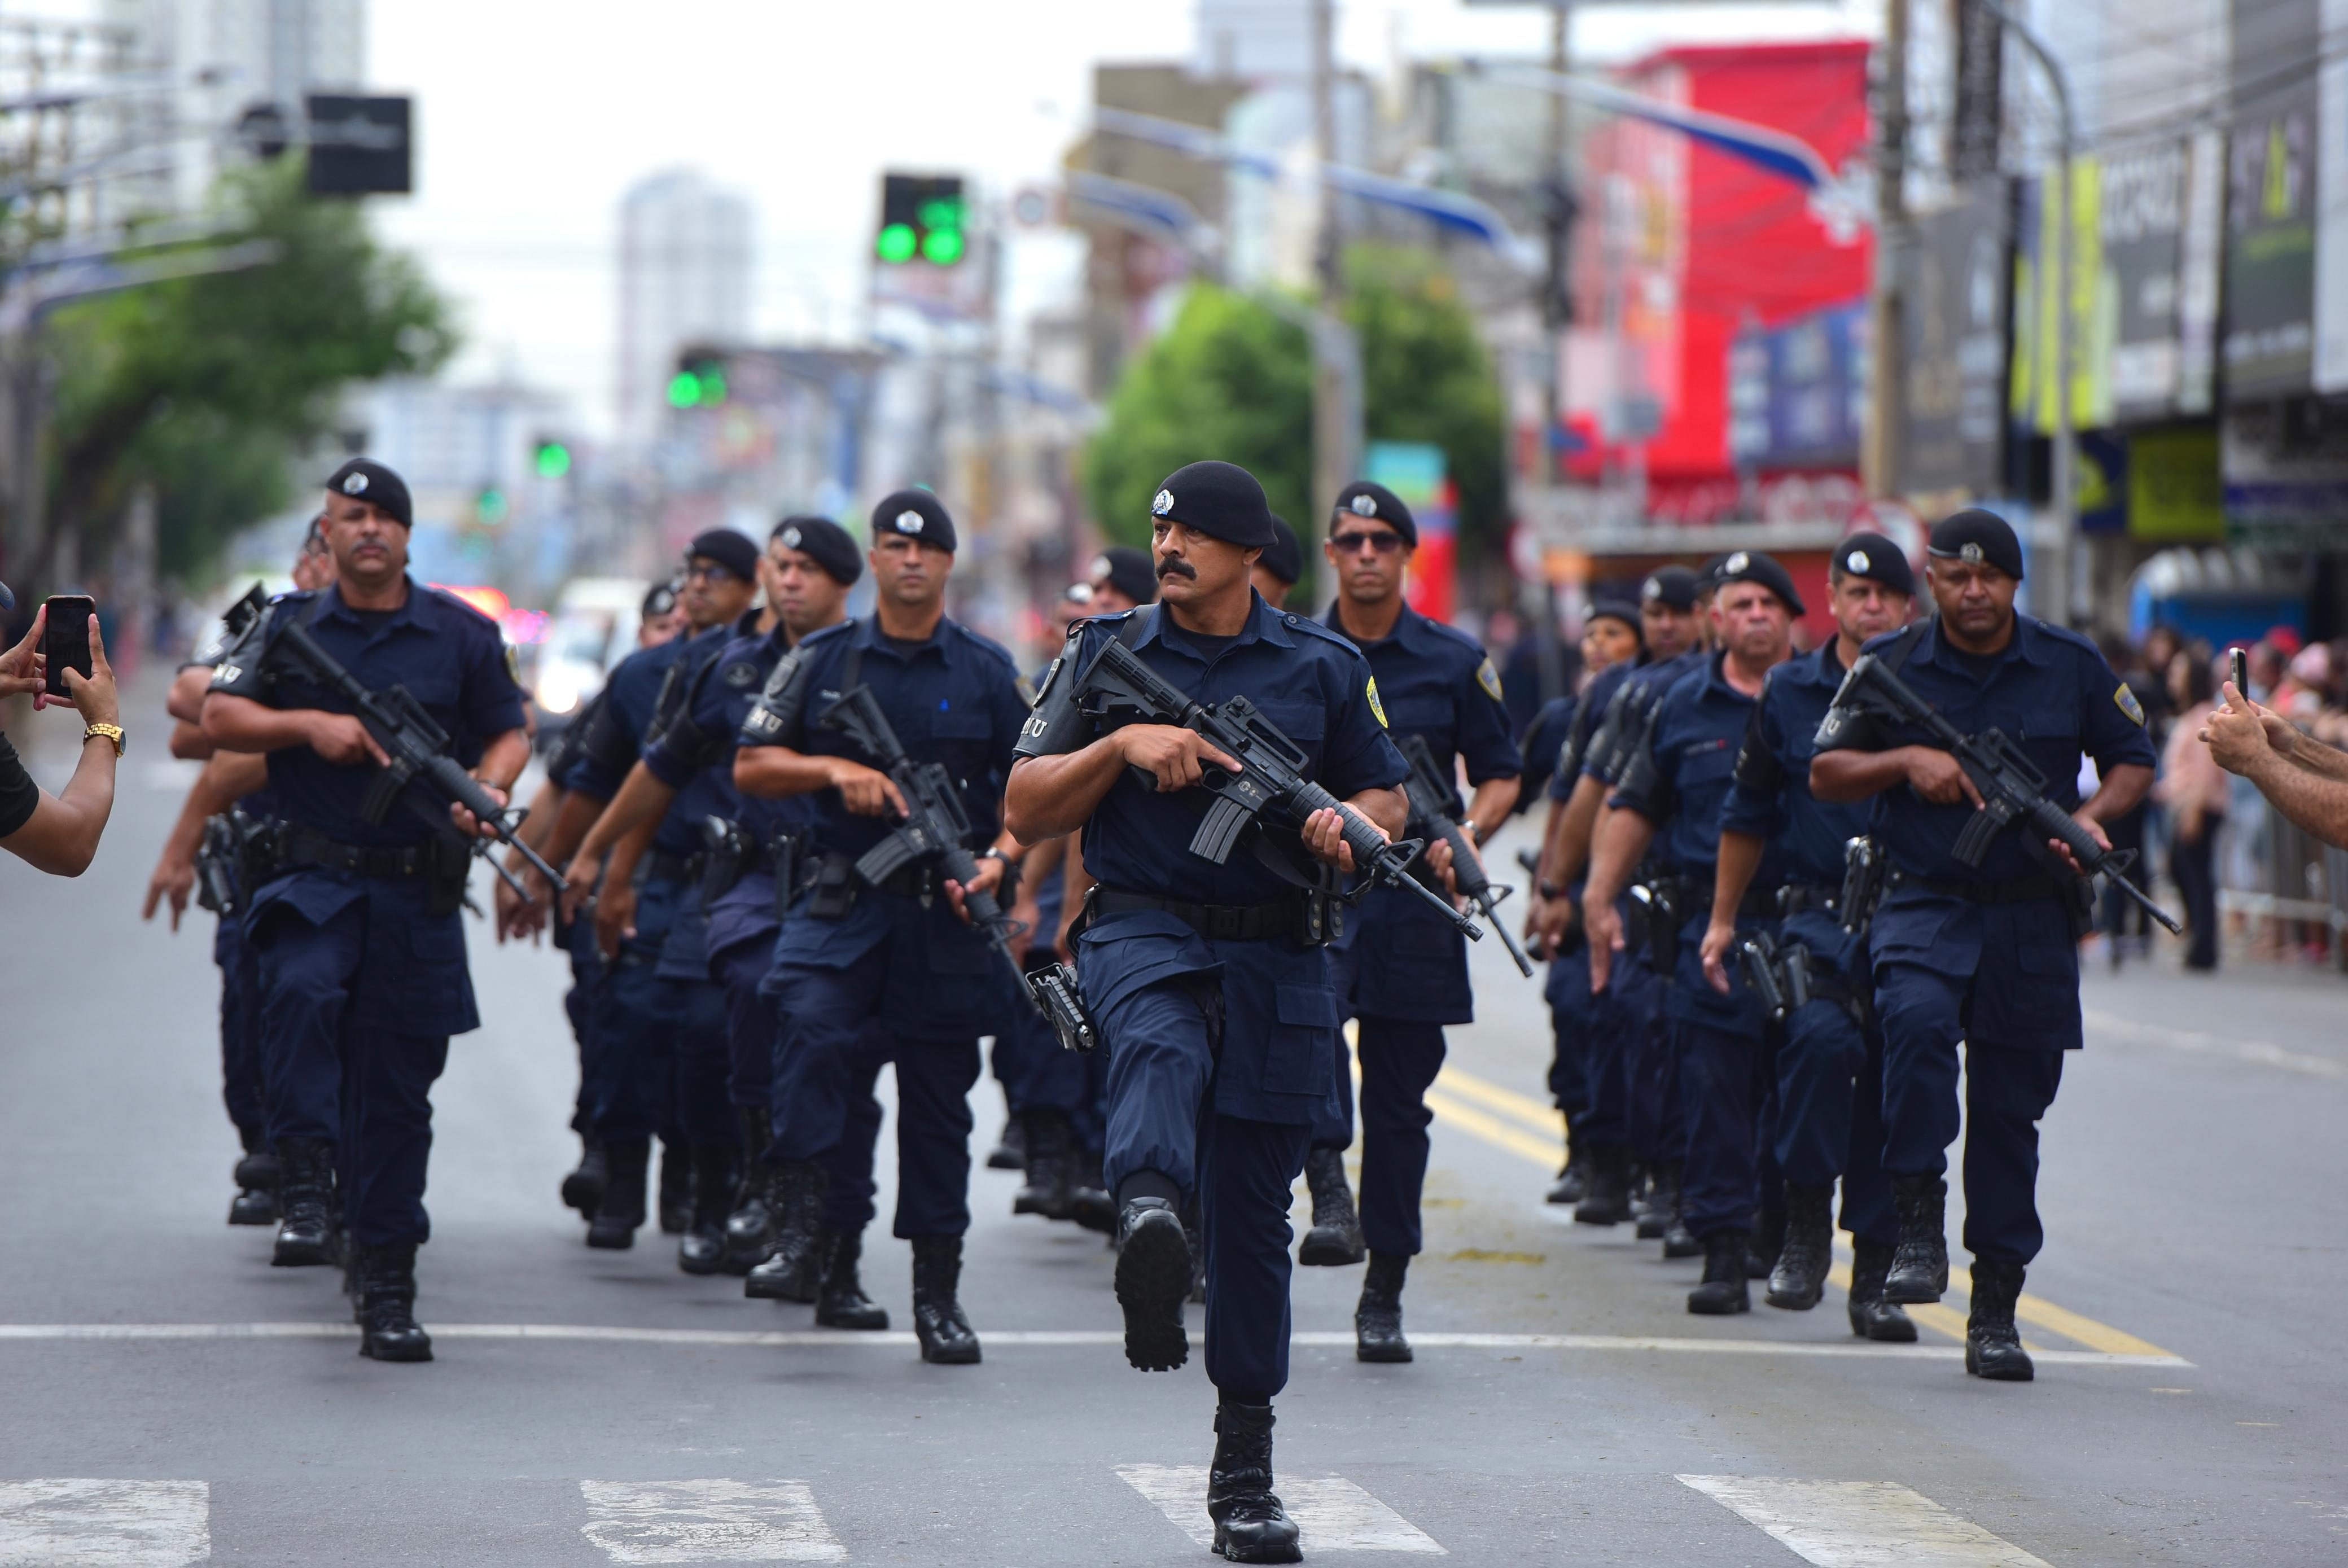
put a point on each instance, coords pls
(1331, 1512)
(708, 1522)
(104, 1523)
(1861, 1523)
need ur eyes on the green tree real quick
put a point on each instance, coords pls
(208, 388)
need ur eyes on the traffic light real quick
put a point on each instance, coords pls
(699, 381)
(490, 506)
(553, 458)
(921, 218)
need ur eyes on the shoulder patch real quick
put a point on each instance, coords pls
(1376, 707)
(2128, 705)
(1489, 678)
(513, 662)
(741, 675)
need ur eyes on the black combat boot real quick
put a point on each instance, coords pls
(1920, 1267)
(792, 1271)
(1010, 1150)
(841, 1302)
(306, 1234)
(1661, 1209)
(1606, 1195)
(675, 1189)
(583, 1189)
(702, 1249)
(1153, 1276)
(621, 1207)
(1250, 1526)
(1049, 1190)
(1766, 1240)
(750, 1229)
(1336, 1238)
(1800, 1277)
(386, 1305)
(947, 1339)
(1992, 1344)
(1569, 1186)
(258, 1177)
(1722, 1291)
(1377, 1318)
(1872, 1316)
(1089, 1203)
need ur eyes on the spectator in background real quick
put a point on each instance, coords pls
(2299, 696)
(58, 833)
(2196, 793)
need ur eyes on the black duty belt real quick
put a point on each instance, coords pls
(1758, 903)
(302, 847)
(1217, 922)
(659, 865)
(1801, 898)
(2012, 890)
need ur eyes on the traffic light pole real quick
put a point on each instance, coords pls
(1336, 354)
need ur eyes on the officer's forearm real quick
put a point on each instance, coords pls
(1576, 830)
(538, 820)
(1389, 808)
(1740, 857)
(2122, 790)
(630, 848)
(572, 820)
(1043, 860)
(1047, 796)
(1620, 843)
(185, 700)
(240, 724)
(776, 772)
(502, 761)
(189, 741)
(642, 798)
(1842, 777)
(1545, 863)
(1494, 800)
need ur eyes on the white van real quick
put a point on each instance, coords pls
(594, 628)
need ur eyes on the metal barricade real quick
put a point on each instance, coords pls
(2304, 882)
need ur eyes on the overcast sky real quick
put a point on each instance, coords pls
(534, 118)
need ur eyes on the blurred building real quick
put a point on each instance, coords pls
(486, 509)
(685, 280)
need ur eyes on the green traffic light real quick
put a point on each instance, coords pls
(553, 460)
(943, 214)
(683, 389)
(896, 242)
(491, 507)
(713, 386)
(943, 246)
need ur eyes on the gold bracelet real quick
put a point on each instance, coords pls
(112, 732)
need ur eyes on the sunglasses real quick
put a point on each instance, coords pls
(713, 572)
(1350, 543)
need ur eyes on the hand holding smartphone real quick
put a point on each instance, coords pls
(2238, 670)
(65, 642)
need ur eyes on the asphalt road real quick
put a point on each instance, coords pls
(164, 1394)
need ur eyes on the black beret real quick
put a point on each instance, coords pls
(1363, 499)
(732, 550)
(1128, 572)
(916, 514)
(1876, 558)
(1620, 610)
(1221, 500)
(365, 479)
(659, 600)
(1752, 566)
(823, 541)
(1672, 586)
(1976, 535)
(1707, 576)
(1284, 557)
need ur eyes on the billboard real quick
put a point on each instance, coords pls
(2270, 190)
(1418, 473)
(1798, 392)
(2331, 221)
(1954, 326)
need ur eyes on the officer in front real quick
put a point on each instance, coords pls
(1669, 797)
(360, 950)
(1987, 954)
(1829, 1078)
(1218, 1009)
(894, 969)
(1405, 969)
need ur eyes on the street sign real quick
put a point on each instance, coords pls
(359, 146)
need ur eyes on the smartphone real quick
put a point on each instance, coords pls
(2237, 667)
(65, 639)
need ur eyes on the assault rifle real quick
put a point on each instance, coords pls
(2011, 788)
(216, 866)
(936, 829)
(1433, 815)
(418, 746)
(1271, 783)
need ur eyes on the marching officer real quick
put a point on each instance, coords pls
(1218, 1008)
(862, 972)
(361, 955)
(1404, 970)
(1276, 571)
(1988, 953)
(1829, 1077)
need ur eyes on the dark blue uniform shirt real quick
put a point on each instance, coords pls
(631, 699)
(2049, 690)
(1586, 717)
(1771, 797)
(1310, 682)
(1645, 690)
(1689, 753)
(1435, 681)
(1544, 739)
(446, 654)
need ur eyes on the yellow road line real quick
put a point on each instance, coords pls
(1547, 1150)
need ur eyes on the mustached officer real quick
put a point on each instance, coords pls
(1987, 954)
(1404, 968)
(896, 968)
(1829, 1073)
(1216, 1008)
(360, 951)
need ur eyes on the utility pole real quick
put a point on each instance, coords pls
(1888, 423)
(1336, 369)
(1537, 597)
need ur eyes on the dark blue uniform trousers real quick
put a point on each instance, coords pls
(1727, 1073)
(749, 1020)
(577, 938)
(1829, 1115)
(1400, 1058)
(1036, 1073)
(239, 1025)
(663, 1042)
(334, 1076)
(1162, 1117)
